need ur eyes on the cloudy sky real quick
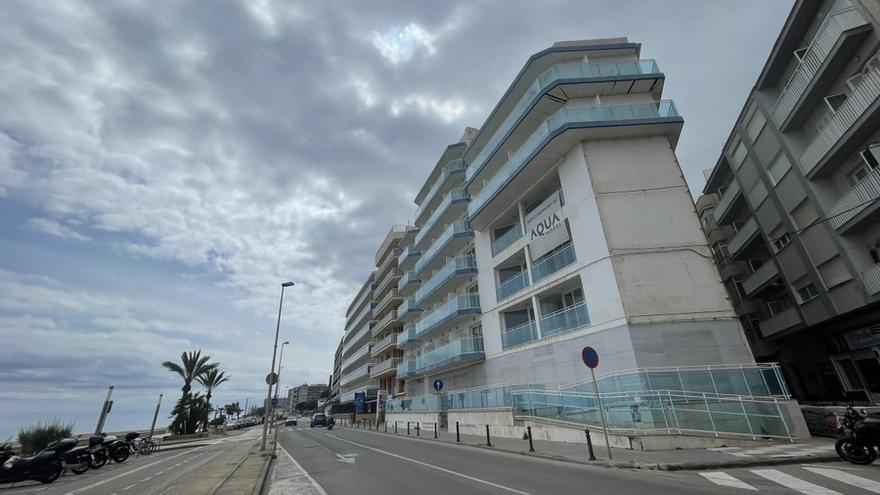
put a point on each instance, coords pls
(165, 165)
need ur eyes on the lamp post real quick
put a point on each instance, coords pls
(268, 405)
(278, 383)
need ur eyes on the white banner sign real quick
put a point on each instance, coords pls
(545, 226)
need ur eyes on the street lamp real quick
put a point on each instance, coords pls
(268, 405)
(280, 358)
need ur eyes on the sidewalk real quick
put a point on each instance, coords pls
(818, 450)
(239, 471)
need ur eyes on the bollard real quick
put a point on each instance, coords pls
(418, 428)
(590, 445)
(370, 425)
(407, 427)
(386, 426)
(457, 433)
(531, 445)
(395, 427)
(435, 429)
(488, 440)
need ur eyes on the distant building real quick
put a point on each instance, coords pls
(305, 393)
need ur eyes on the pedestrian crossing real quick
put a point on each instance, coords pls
(805, 479)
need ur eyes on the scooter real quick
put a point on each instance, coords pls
(75, 460)
(97, 452)
(861, 435)
(44, 467)
(117, 450)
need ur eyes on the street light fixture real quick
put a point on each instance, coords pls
(268, 406)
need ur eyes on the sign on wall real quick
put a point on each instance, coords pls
(545, 226)
(360, 399)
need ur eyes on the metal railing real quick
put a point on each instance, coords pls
(446, 311)
(500, 244)
(856, 200)
(456, 195)
(358, 336)
(512, 285)
(455, 228)
(358, 355)
(408, 278)
(745, 234)
(384, 344)
(871, 278)
(451, 167)
(449, 353)
(385, 321)
(389, 258)
(449, 270)
(387, 279)
(553, 263)
(384, 366)
(386, 299)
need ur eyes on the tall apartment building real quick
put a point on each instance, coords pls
(337, 374)
(305, 393)
(384, 352)
(355, 359)
(791, 208)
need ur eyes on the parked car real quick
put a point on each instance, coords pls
(319, 419)
(290, 422)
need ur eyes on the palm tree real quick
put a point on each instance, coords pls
(211, 379)
(193, 365)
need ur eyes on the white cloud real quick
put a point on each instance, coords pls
(449, 110)
(54, 227)
(400, 43)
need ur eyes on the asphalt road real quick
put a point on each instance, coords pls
(137, 475)
(345, 461)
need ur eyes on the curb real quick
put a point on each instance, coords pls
(264, 475)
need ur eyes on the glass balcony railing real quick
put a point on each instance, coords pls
(384, 367)
(406, 368)
(408, 278)
(358, 374)
(455, 306)
(356, 356)
(452, 268)
(454, 196)
(451, 167)
(588, 114)
(358, 336)
(460, 227)
(519, 335)
(449, 353)
(553, 263)
(545, 80)
(512, 285)
(409, 252)
(406, 337)
(507, 239)
(407, 308)
(564, 320)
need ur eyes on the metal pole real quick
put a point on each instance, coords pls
(531, 445)
(589, 444)
(407, 427)
(418, 428)
(457, 433)
(103, 416)
(395, 427)
(601, 412)
(435, 429)
(268, 405)
(488, 440)
(155, 415)
(280, 358)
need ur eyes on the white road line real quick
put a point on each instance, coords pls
(844, 477)
(293, 483)
(425, 464)
(113, 478)
(148, 478)
(795, 484)
(129, 487)
(724, 479)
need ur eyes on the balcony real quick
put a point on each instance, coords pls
(407, 338)
(390, 297)
(443, 280)
(763, 275)
(452, 206)
(364, 314)
(408, 310)
(408, 257)
(509, 237)
(553, 263)
(388, 343)
(556, 135)
(408, 283)
(858, 208)
(745, 235)
(389, 260)
(385, 368)
(406, 368)
(512, 285)
(835, 41)
(601, 78)
(455, 309)
(452, 355)
(384, 323)
(871, 279)
(845, 129)
(355, 358)
(564, 320)
(780, 322)
(452, 169)
(729, 197)
(452, 238)
(390, 279)
(358, 337)
(357, 375)
(519, 335)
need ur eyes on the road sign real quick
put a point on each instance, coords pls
(360, 400)
(438, 385)
(272, 378)
(274, 402)
(590, 357)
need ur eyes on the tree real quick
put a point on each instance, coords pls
(211, 379)
(193, 365)
(189, 414)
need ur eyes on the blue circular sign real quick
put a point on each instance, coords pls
(590, 357)
(438, 385)
(274, 401)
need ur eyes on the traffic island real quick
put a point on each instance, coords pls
(240, 470)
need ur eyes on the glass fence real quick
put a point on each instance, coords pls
(564, 320)
(507, 239)
(553, 263)
(512, 285)
(521, 334)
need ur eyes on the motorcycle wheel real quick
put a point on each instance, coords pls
(80, 468)
(97, 460)
(855, 452)
(52, 473)
(120, 454)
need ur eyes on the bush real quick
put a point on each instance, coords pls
(36, 437)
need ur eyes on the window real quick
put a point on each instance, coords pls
(807, 293)
(800, 53)
(835, 101)
(755, 125)
(781, 242)
(777, 169)
(849, 377)
(755, 263)
(739, 154)
(573, 298)
(776, 307)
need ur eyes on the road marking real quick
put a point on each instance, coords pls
(347, 458)
(795, 484)
(724, 479)
(148, 478)
(844, 477)
(132, 471)
(129, 487)
(425, 464)
(293, 483)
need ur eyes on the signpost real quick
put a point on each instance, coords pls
(274, 402)
(271, 378)
(438, 384)
(591, 359)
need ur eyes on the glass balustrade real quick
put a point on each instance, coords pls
(454, 306)
(456, 195)
(449, 270)
(449, 353)
(553, 263)
(519, 335)
(409, 252)
(408, 278)
(509, 237)
(460, 227)
(451, 167)
(407, 307)
(512, 285)
(358, 374)
(564, 320)
(408, 336)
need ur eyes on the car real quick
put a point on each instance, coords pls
(318, 420)
(290, 422)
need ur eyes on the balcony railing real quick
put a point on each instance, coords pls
(519, 335)
(388, 279)
(408, 253)
(549, 77)
(871, 278)
(389, 297)
(407, 308)
(779, 322)
(512, 285)
(835, 24)
(451, 167)
(761, 276)
(589, 114)
(457, 305)
(389, 258)
(863, 96)
(455, 266)
(452, 352)
(358, 355)
(358, 374)
(386, 320)
(406, 368)
(856, 200)
(408, 280)
(458, 195)
(553, 263)
(384, 344)
(564, 320)
(383, 367)
(458, 228)
(742, 237)
(358, 336)
(509, 237)
(407, 337)
(363, 313)
(727, 199)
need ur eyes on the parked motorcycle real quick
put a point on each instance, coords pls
(97, 452)
(861, 435)
(117, 450)
(44, 467)
(75, 460)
